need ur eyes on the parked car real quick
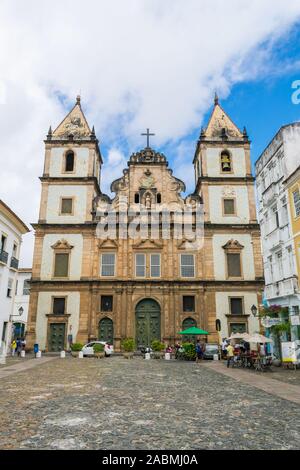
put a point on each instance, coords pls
(88, 349)
(210, 351)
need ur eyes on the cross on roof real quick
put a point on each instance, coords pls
(148, 135)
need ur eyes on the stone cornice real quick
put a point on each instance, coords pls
(71, 179)
(99, 282)
(92, 225)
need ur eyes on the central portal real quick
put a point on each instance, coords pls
(147, 314)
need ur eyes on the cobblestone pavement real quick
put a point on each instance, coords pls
(116, 403)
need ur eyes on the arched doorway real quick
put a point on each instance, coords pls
(106, 330)
(188, 323)
(147, 314)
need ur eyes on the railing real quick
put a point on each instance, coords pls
(282, 288)
(270, 194)
(3, 256)
(14, 263)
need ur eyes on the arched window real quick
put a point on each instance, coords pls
(69, 162)
(158, 198)
(188, 323)
(226, 165)
(136, 198)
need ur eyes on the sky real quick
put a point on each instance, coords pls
(139, 64)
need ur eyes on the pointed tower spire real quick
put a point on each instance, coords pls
(93, 135)
(216, 100)
(74, 125)
(245, 133)
(49, 135)
(220, 126)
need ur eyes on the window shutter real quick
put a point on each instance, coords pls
(140, 265)
(229, 206)
(67, 206)
(155, 265)
(61, 265)
(234, 264)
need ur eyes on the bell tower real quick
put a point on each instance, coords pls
(232, 236)
(70, 184)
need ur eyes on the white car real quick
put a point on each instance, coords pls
(88, 349)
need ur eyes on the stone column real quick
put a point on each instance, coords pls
(32, 315)
(84, 317)
(130, 314)
(118, 317)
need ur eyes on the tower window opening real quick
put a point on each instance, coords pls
(158, 198)
(69, 161)
(226, 165)
(136, 198)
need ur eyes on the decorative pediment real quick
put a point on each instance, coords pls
(73, 125)
(62, 245)
(107, 244)
(185, 244)
(148, 155)
(221, 127)
(233, 245)
(148, 244)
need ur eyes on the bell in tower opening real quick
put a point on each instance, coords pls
(226, 162)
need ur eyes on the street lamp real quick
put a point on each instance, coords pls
(254, 310)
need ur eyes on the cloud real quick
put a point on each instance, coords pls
(138, 64)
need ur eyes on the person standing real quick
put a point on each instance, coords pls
(19, 346)
(199, 352)
(13, 347)
(230, 354)
(224, 346)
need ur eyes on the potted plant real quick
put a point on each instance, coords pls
(76, 348)
(157, 348)
(99, 350)
(189, 351)
(128, 346)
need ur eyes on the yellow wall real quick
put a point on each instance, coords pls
(295, 222)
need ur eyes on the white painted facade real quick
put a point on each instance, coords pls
(47, 267)
(11, 231)
(57, 162)
(247, 256)
(45, 308)
(238, 161)
(275, 164)
(22, 295)
(223, 309)
(216, 196)
(55, 195)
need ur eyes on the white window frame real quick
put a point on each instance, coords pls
(140, 265)
(296, 203)
(106, 264)
(182, 265)
(155, 265)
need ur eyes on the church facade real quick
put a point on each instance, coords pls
(89, 283)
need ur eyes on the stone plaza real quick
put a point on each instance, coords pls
(114, 403)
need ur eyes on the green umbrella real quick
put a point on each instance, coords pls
(193, 331)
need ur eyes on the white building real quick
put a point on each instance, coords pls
(11, 230)
(21, 303)
(276, 163)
